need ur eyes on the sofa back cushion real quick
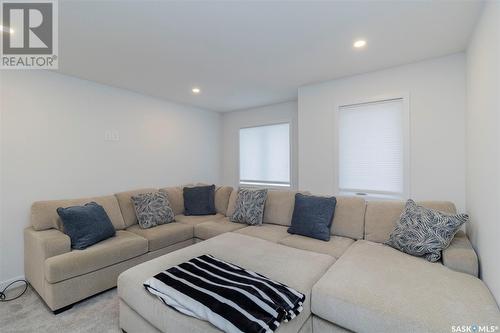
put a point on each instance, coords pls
(279, 207)
(222, 194)
(175, 197)
(349, 218)
(199, 200)
(44, 213)
(231, 205)
(381, 216)
(126, 205)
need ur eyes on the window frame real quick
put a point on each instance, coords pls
(370, 194)
(265, 184)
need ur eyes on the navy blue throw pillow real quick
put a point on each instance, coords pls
(312, 216)
(199, 200)
(86, 225)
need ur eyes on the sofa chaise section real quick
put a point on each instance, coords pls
(375, 288)
(211, 229)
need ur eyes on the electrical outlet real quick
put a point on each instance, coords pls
(111, 135)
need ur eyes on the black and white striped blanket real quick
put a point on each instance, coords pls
(231, 298)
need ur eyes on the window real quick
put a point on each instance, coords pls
(373, 148)
(265, 155)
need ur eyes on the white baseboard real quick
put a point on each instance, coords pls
(4, 284)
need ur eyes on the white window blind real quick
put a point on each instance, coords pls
(371, 144)
(265, 155)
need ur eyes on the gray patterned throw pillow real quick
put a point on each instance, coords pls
(425, 232)
(250, 206)
(152, 209)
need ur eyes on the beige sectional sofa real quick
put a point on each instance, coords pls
(352, 282)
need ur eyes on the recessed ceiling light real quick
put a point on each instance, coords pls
(359, 43)
(196, 90)
(2, 28)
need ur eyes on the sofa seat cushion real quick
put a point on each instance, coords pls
(375, 288)
(193, 220)
(335, 247)
(211, 229)
(123, 246)
(424, 232)
(164, 235)
(269, 232)
(296, 268)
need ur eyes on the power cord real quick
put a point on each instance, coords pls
(3, 296)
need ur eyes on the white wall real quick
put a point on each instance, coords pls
(436, 91)
(233, 121)
(53, 146)
(483, 142)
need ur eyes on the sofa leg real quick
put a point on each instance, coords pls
(58, 311)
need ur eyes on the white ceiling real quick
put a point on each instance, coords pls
(246, 54)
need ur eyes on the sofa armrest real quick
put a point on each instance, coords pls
(38, 246)
(460, 256)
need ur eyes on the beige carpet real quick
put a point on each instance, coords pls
(28, 313)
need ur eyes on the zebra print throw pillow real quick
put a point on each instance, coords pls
(250, 206)
(425, 232)
(152, 209)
